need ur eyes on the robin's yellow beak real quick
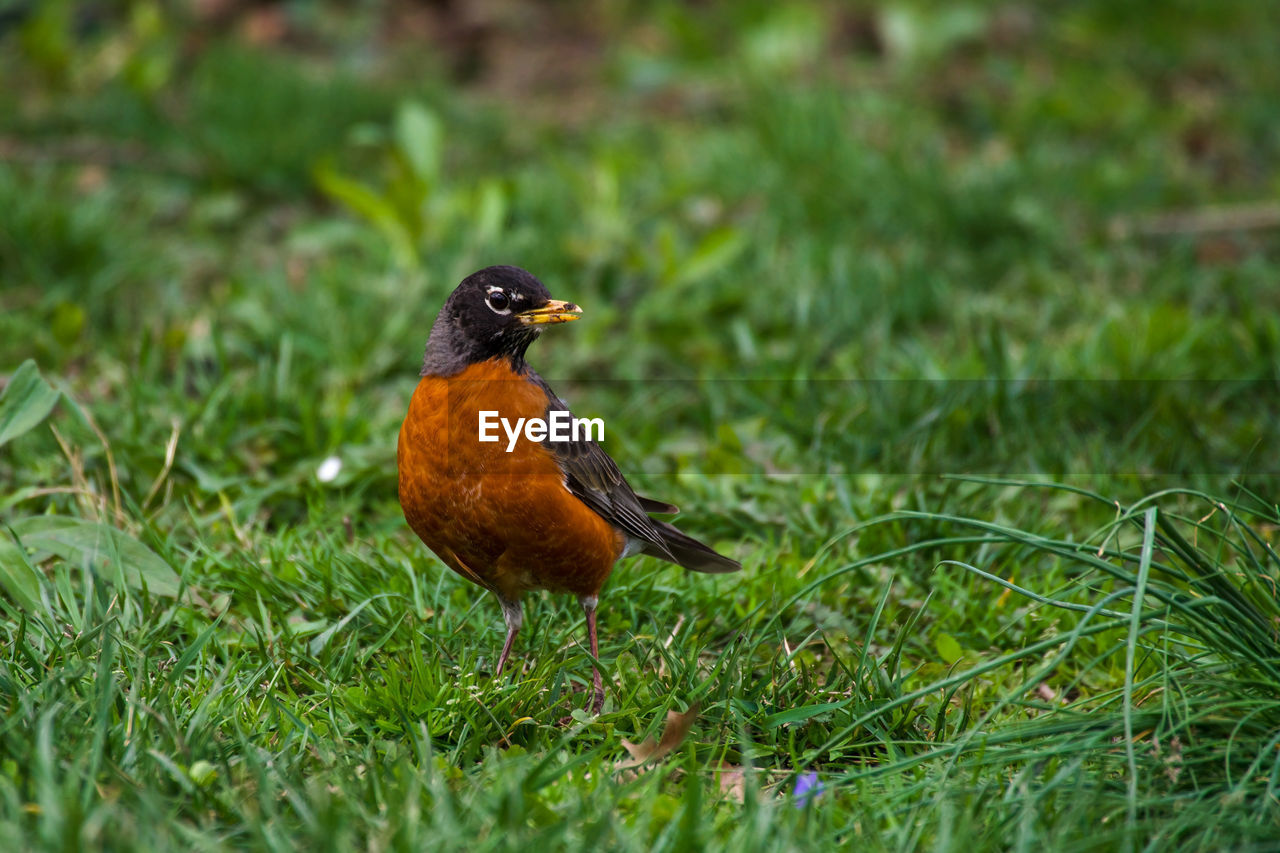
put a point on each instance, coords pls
(554, 311)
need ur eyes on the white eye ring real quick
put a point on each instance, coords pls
(498, 301)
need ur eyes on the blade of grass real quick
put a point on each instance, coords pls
(1135, 622)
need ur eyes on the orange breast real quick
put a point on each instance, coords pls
(503, 520)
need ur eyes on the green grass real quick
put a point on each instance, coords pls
(878, 311)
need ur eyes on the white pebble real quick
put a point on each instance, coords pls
(329, 469)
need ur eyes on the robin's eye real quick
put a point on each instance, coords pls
(499, 301)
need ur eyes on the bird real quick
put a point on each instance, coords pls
(528, 514)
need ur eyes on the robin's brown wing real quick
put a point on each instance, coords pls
(594, 478)
(659, 507)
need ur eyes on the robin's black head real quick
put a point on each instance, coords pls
(497, 311)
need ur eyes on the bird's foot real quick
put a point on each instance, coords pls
(597, 696)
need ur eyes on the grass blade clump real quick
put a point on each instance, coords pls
(1163, 716)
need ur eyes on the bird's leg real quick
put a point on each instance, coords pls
(589, 603)
(513, 613)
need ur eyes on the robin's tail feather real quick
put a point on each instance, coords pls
(689, 552)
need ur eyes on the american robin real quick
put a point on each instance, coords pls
(523, 513)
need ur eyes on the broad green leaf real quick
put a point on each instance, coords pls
(490, 212)
(68, 323)
(948, 648)
(26, 401)
(787, 39)
(114, 552)
(376, 208)
(713, 254)
(919, 32)
(17, 577)
(420, 138)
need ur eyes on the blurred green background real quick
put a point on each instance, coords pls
(787, 191)
(827, 252)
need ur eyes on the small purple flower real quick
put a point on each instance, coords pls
(808, 788)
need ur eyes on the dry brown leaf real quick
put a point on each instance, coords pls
(267, 26)
(673, 734)
(732, 782)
